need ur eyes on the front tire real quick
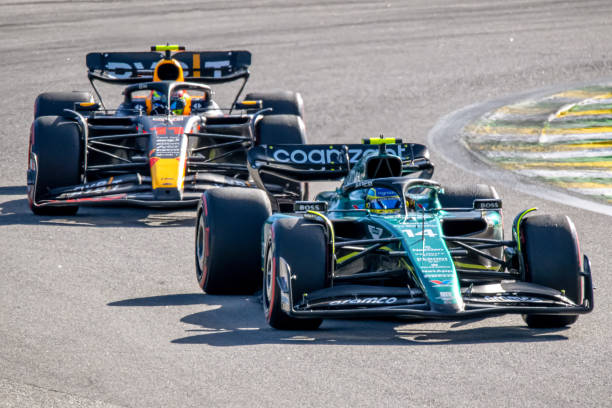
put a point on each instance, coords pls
(302, 245)
(552, 258)
(228, 240)
(54, 103)
(56, 143)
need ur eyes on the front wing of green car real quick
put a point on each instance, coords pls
(437, 294)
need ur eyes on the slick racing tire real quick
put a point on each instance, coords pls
(281, 129)
(552, 258)
(301, 244)
(228, 240)
(281, 102)
(464, 196)
(54, 103)
(56, 143)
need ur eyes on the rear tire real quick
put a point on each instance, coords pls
(282, 102)
(464, 196)
(552, 259)
(54, 103)
(281, 129)
(57, 144)
(302, 244)
(228, 240)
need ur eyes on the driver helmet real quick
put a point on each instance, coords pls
(383, 201)
(156, 99)
(179, 103)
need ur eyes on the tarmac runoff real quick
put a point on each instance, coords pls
(563, 139)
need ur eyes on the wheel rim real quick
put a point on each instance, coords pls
(201, 247)
(268, 279)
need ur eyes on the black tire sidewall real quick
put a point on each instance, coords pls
(282, 102)
(302, 244)
(201, 274)
(552, 254)
(464, 196)
(234, 217)
(57, 144)
(552, 259)
(54, 103)
(280, 129)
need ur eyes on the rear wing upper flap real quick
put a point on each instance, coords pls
(198, 66)
(328, 162)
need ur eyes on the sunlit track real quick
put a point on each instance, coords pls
(564, 139)
(103, 309)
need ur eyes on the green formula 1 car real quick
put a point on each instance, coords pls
(387, 241)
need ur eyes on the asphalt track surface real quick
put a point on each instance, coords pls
(103, 309)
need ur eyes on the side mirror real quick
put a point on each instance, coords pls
(86, 106)
(249, 105)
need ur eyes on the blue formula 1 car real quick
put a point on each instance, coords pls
(387, 241)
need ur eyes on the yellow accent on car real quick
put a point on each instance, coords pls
(196, 65)
(168, 47)
(347, 256)
(352, 254)
(380, 140)
(410, 269)
(85, 104)
(167, 173)
(385, 211)
(331, 229)
(187, 108)
(518, 227)
(406, 265)
(475, 266)
(245, 102)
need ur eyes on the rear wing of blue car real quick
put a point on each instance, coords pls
(319, 162)
(198, 66)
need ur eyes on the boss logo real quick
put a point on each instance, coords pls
(305, 206)
(488, 204)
